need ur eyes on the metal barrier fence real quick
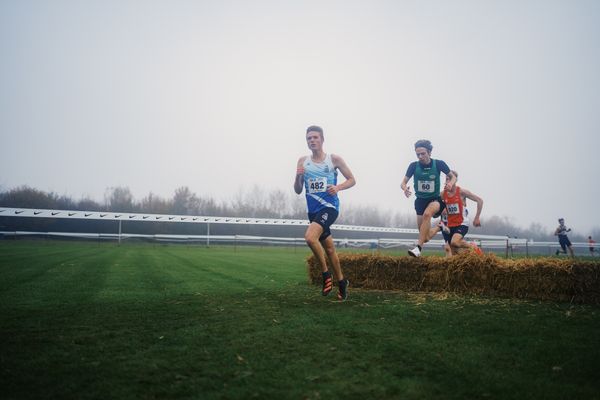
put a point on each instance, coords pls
(505, 244)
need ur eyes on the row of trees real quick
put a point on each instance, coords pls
(254, 202)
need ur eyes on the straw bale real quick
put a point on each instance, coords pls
(528, 278)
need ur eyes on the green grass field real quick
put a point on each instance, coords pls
(94, 320)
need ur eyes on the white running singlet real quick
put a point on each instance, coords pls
(317, 176)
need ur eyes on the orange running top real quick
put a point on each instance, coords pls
(454, 206)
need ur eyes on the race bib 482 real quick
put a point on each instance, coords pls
(317, 185)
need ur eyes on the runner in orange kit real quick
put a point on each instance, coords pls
(458, 220)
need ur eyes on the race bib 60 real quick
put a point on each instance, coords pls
(426, 186)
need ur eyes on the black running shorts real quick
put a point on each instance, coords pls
(325, 217)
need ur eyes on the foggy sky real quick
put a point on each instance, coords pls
(216, 95)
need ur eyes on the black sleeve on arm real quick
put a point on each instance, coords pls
(442, 166)
(410, 171)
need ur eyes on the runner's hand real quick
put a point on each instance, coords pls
(407, 192)
(332, 189)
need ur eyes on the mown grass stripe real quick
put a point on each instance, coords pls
(153, 321)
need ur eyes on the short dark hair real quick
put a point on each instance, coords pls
(424, 143)
(315, 128)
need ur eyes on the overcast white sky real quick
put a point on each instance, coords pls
(216, 95)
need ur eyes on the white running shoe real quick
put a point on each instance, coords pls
(415, 252)
(443, 227)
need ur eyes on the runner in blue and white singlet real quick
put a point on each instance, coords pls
(317, 177)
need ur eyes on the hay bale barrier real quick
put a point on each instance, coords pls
(545, 278)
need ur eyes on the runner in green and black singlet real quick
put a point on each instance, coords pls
(428, 204)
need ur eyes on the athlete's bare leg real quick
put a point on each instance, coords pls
(311, 236)
(334, 261)
(448, 250)
(424, 222)
(432, 232)
(458, 243)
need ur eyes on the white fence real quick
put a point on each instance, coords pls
(486, 241)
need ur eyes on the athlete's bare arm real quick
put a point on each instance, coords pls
(299, 180)
(405, 188)
(472, 196)
(339, 163)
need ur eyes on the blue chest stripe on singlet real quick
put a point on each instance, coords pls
(319, 175)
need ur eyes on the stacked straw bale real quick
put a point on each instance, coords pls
(531, 278)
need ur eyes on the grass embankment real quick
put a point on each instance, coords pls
(87, 320)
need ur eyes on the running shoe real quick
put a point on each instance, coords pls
(444, 228)
(343, 289)
(327, 283)
(476, 248)
(415, 252)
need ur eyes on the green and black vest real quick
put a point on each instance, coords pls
(427, 181)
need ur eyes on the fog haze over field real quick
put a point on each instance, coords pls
(216, 96)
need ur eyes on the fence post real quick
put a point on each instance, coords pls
(506, 248)
(208, 234)
(119, 232)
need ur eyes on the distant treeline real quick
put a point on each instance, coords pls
(255, 202)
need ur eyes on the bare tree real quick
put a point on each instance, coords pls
(25, 196)
(185, 202)
(119, 199)
(278, 203)
(88, 204)
(297, 207)
(155, 204)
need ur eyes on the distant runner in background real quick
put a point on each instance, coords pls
(592, 244)
(317, 175)
(563, 239)
(428, 203)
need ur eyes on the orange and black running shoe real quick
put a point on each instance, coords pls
(343, 289)
(327, 283)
